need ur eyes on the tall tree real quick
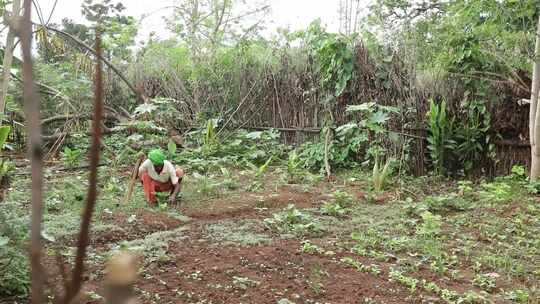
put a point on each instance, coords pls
(11, 21)
(534, 112)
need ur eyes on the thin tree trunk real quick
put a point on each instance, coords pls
(84, 232)
(8, 56)
(35, 154)
(534, 114)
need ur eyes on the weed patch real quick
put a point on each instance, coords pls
(294, 221)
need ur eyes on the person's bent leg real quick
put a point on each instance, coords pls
(149, 187)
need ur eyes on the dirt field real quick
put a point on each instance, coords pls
(200, 270)
(289, 243)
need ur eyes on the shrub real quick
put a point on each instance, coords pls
(71, 157)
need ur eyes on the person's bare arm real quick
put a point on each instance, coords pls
(176, 191)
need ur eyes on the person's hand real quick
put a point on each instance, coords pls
(172, 200)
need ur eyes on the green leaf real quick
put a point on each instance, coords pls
(4, 132)
(379, 117)
(171, 147)
(364, 107)
(145, 108)
(254, 135)
(4, 240)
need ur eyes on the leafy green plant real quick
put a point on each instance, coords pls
(333, 209)
(292, 220)
(373, 269)
(473, 141)
(71, 157)
(465, 188)
(342, 198)
(6, 167)
(533, 187)
(380, 175)
(308, 247)
(316, 278)
(258, 183)
(486, 282)
(518, 171)
(171, 148)
(205, 185)
(440, 141)
(294, 168)
(446, 203)
(4, 132)
(228, 180)
(430, 226)
(496, 192)
(210, 137)
(517, 296)
(14, 279)
(398, 276)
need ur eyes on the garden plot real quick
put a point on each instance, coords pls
(315, 243)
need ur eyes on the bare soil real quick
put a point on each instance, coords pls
(200, 271)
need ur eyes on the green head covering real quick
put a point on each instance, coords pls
(156, 157)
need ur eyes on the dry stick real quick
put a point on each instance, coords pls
(277, 99)
(133, 179)
(84, 232)
(237, 109)
(35, 153)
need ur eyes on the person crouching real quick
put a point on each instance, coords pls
(159, 175)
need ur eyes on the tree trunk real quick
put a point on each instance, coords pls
(35, 154)
(8, 56)
(534, 114)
